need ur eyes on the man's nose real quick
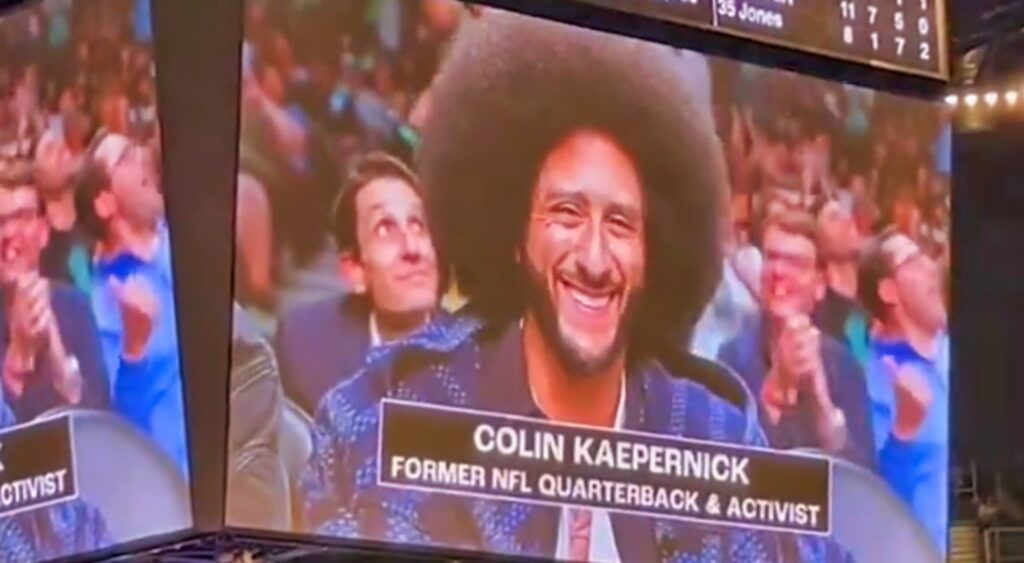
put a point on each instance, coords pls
(775, 270)
(412, 244)
(593, 258)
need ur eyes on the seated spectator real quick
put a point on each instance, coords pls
(732, 305)
(389, 263)
(840, 242)
(50, 345)
(114, 109)
(66, 255)
(811, 391)
(908, 375)
(255, 272)
(119, 205)
(257, 487)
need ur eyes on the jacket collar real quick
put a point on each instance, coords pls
(504, 388)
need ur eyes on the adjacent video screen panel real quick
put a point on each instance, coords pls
(93, 449)
(511, 286)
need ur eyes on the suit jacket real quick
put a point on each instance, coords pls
(459, 362)
(52, 532)
(746, 355)
(319, 345)
(77, 327)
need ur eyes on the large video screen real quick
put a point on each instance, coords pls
(511, 286)
(93, 449)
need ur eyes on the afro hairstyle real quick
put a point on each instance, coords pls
(512, 88)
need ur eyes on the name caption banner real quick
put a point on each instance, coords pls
(481, 454)
(37, 465)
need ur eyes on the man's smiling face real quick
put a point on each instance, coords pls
(584, 249)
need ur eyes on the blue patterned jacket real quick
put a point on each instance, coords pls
(48, 533)
(458, 362)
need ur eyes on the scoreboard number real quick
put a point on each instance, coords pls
(907, 36)
(849, 10)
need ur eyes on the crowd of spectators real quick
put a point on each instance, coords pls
(331, 81)
(323, 84)
(85, 268)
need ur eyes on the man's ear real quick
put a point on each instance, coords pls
(105, 205)
(820, 287)
(887, 292)
(353, 272)
(44, 232)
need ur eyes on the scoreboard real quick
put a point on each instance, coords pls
(901, 35)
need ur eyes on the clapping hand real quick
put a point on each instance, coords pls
(913, 398)
(139, 308)
(31, 325)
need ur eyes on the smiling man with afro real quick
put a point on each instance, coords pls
(577, 188)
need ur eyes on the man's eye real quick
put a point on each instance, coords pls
(384, 228)
(566, 211)
(620, 225)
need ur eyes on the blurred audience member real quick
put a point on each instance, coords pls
(114, 111)
(51, 350)
(254, 246)
(908, 375)
(839, 243)
(66, 255)
(734, 303)
(388, 262)
(811, 391)
(257, 487)
(120, 206)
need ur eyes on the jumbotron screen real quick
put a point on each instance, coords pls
(510, 286)
(93, 449)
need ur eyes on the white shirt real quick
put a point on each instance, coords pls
(602, 537)
(374, 332)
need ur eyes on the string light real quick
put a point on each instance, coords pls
(1009, 98)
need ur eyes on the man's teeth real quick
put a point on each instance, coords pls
(590, 301)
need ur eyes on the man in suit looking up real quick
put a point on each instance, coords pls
(387, 259)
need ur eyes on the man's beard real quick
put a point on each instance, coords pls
(539, 302)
